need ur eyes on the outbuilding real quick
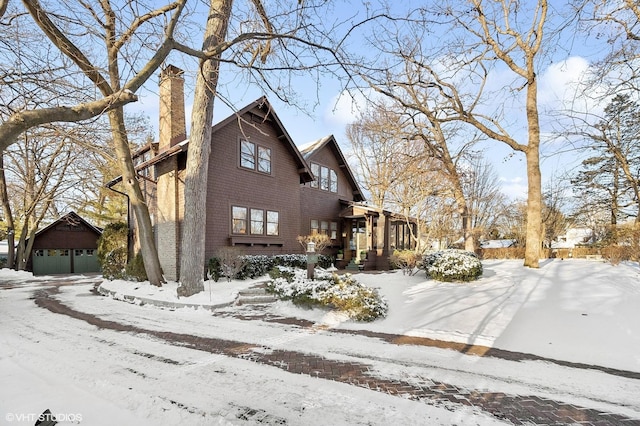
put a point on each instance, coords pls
(67, 246)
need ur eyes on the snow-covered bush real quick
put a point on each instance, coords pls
(452, 265)
(339, 292)
(254, 266)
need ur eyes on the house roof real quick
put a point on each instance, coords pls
(310, 149)
(72, 218)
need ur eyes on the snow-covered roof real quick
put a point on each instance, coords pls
(497, 243)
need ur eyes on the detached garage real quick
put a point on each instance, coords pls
(67, 246)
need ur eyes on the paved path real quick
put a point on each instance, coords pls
(517, 409)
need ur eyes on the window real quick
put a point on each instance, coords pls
(264, 160)
(334, 231)
(247, 155)
(315, 170)
(324, 227)
(333, 181)
(257, 222)
(255, 219)
(78, 252)
(239, 220)
(39, 252)
(273, 223)
(90, 252)
(325, 178)
(255, 157)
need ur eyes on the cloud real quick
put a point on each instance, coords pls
(346, 107)
(568, 85)
(514, 188)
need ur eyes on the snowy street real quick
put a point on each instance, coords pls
(94, 360)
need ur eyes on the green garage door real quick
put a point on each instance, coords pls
(85, 260)
(51, 261)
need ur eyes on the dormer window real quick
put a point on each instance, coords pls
(255, 157)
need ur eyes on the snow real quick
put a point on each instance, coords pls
(574, 310)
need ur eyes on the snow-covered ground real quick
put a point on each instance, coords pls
(574, 310)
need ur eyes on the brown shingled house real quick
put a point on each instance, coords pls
(263, 192)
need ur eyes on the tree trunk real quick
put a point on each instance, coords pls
(463, 210)
(8, 215)
(192, 255)
(138, 204)
(534, 177)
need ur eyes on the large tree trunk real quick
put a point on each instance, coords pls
(463, 210)
(534, 177)
(138, 204)
(192, 255)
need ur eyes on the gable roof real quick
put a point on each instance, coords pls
(70, 218)
(310, 149)
(262, 109)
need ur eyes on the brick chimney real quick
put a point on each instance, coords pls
(172, 126)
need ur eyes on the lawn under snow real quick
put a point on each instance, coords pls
(573, 310)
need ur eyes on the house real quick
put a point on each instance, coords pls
(497, 244)
(67, 246)
(263, 192)
(333, 204)
(573, 237)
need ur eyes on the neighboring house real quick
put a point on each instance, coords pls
(67, 246)
(4, 253)
(495, 244)
(573, 237)
(263, 192)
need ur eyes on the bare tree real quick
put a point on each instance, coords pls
(117, 37)
(485, 198)
(35, 174)
(192, 258)
(554, 220)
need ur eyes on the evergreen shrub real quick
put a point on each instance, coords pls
(341, 292)
(452, 265)
(112, 250)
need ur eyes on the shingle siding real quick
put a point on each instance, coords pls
(230, 184)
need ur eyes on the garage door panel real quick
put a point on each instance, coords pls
(51, 261)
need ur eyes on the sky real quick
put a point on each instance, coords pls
(328, 109)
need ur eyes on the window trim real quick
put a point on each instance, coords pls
(326, 178)
(260, 163)
(331, 228)
(245, 220)
(249, 222)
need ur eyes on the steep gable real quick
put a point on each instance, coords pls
(313, 151)
(259, 112)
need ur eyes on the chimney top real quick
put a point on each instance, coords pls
(172, 114)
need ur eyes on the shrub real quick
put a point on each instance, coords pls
(339, 292)
(112, 250)
(135, 269)
(347, 295)
(616, 254)
(228, 262)
(452, 265)
(254, 266)
(407, 260)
